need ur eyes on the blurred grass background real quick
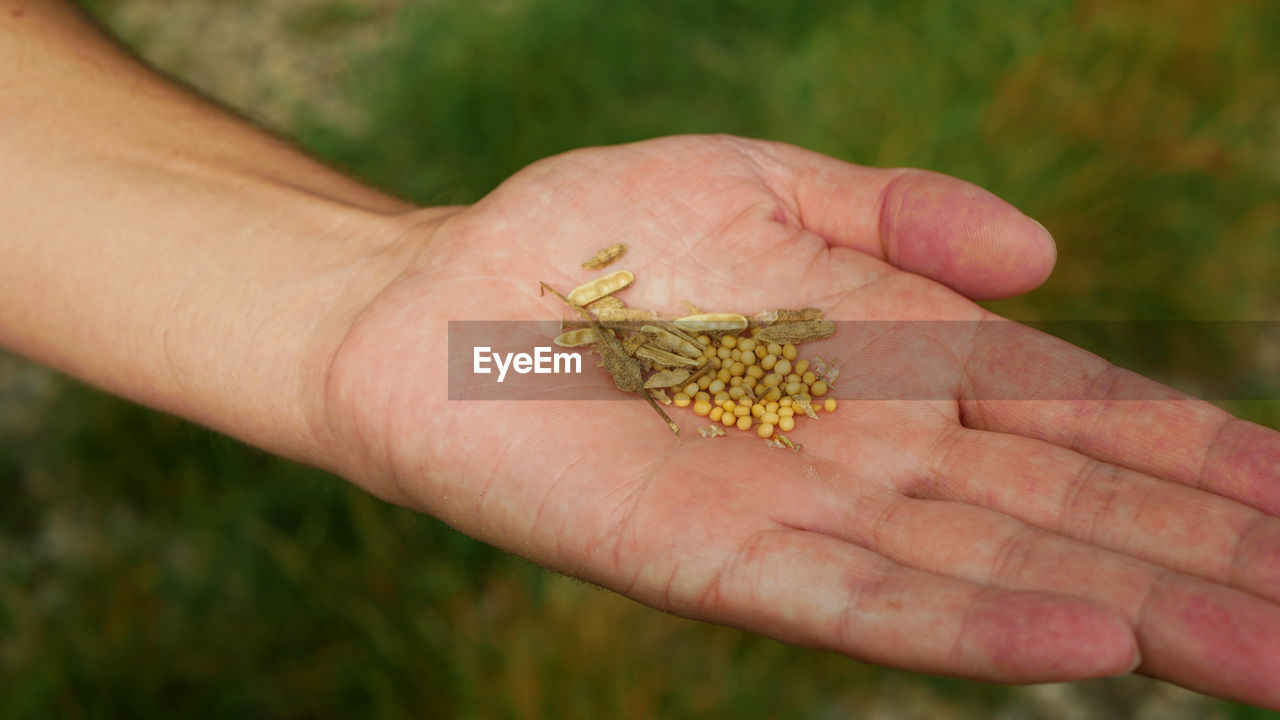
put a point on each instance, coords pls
(149, 568)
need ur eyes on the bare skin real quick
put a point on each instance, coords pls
(238, 283)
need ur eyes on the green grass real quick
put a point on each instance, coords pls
(148, 568)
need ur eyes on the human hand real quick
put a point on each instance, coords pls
(1020, 539)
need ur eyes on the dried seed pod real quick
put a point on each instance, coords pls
(600, 287)
(671, 328)
(614, 316)
(693, 309)
(605, 256)
(667, 378)
(662, 357)
(607, 301)
(633, 343)
(673, 341)
(796, 332)
(764, 318)
(578, 338)
(660, 395)
(801, 315)
(712, 322)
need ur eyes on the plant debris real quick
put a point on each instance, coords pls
(735, 371)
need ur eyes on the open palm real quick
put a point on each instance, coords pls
(992, 509)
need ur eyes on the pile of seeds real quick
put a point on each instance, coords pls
(734, 371)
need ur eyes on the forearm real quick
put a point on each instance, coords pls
(161, 248)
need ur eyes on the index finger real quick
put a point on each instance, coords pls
(1025, 382)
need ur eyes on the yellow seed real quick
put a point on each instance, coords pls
(735, 381)
(772, 379)
(783, 368)
(704, 339)
(808, 378)
(716, 386)
(724, 353)
(702, 397)
(774, 349)
(735, 354)
(702, 408)
(829, 405)
(764, 431)
(748, 359)
(749, 381)
(729, 341)
(737, 369)
(787, 411)
(802, 366)
(744, 423)
(720, 398)
(747, 345)
(705, 381)
(768, 361)
(771, 407)
(819, 388)
(789, 351)
(773, 394)
(784, 402)
(741, 410)
(793, 378)
(761, 351)
(715, 414)
(600, 287)
(745, 400)
(691, 389)
(715, 363)
(723, 375)
(757, 410)
(771, 418)
(794, 388)
(727, 404)
(681, 400)
(728, 419)
(754, 371)
(708, 352)
(786, 423)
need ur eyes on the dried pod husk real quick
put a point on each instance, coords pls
(660, 395)
(672, 341)
(605, 256)
(671, 328)
(607, 301)
(795, 447)
(662, 357)
(667, 378)
(600, 287)
(826, 371)
(712, 430)
(764, 318)
(803, 403)
(633, 343)
(797, 332)
(712, 322)
(615, 316)
(800, 315)
(578, 338)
